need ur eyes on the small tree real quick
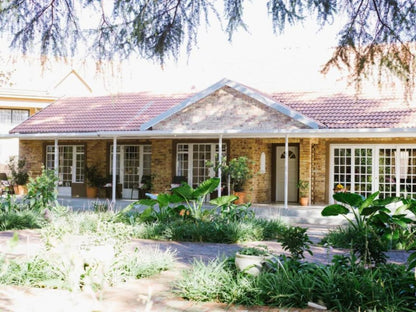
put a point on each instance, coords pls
(239, 172)
(42, 191)
(303, 187)
(18, 170)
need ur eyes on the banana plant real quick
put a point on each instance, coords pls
(370, 210)
(372, 218)
(230, 212)
(194, 199)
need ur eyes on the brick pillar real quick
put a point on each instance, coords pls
(162, 165)
(319, 172)
(305, 161)
(96, 154)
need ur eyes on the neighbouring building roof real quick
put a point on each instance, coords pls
(142, 111)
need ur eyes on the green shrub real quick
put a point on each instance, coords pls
(373, 225)
(205, 282)
(214, 232)
(80, 266)
(42, 192)
(10, 204)
(37, 272)
(19, 220)
(342, 286)
(340, 237)
(295, 240)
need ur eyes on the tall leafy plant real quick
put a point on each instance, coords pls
(18, 170)
(42, 191)
(239, 171)
(195, 198)
(372, 220)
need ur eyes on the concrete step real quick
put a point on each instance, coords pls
(296, 214)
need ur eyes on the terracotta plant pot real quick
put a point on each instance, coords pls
(303, 201)
(92, 192)
(20, 189)
(241, 198)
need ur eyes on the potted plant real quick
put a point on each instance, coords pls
(19, 175)
(239, 172)
(94, 181)
(303, 187)
(251, 259)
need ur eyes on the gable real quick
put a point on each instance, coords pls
(228, 109)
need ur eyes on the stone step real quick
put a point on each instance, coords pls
(297, 214)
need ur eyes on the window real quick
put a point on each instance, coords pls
(13, 116)
(191, 160)
(133, 161)
(71, 163)
(365, 169)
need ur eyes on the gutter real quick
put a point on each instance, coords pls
(294, 133)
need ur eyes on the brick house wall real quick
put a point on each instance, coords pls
(313, 160)
(33, 152)
(162, 165)
(227, 109)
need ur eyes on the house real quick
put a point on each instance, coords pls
(17, 105)
(364, 144)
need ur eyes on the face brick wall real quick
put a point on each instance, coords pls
(313, 161)
(33, 152)
(228, 109)
(96, 155)
(162, 165)
(305, 164)
(257, 188)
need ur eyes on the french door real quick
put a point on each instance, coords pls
(133, 161)
(363, 169)
(191, 160)
(70, 166)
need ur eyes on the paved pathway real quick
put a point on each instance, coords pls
(150, 294)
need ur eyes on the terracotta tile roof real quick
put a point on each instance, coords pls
(340, 111)
(127, 112)
(124, 112)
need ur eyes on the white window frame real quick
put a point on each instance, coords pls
(75, 152)
(375, 163)
(190, 153)
(120, 156)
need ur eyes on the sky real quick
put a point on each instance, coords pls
(258, 58)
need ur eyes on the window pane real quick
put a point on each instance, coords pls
(19, 115)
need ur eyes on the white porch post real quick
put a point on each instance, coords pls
(114, 182)
(286, 168)
(56, 161)
(220, 162)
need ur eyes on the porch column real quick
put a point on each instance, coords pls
(114, 182)
(220, 162)
(286, 168)
(56, 161)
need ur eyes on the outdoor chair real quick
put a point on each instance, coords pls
(142, 187)
(178, 180)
